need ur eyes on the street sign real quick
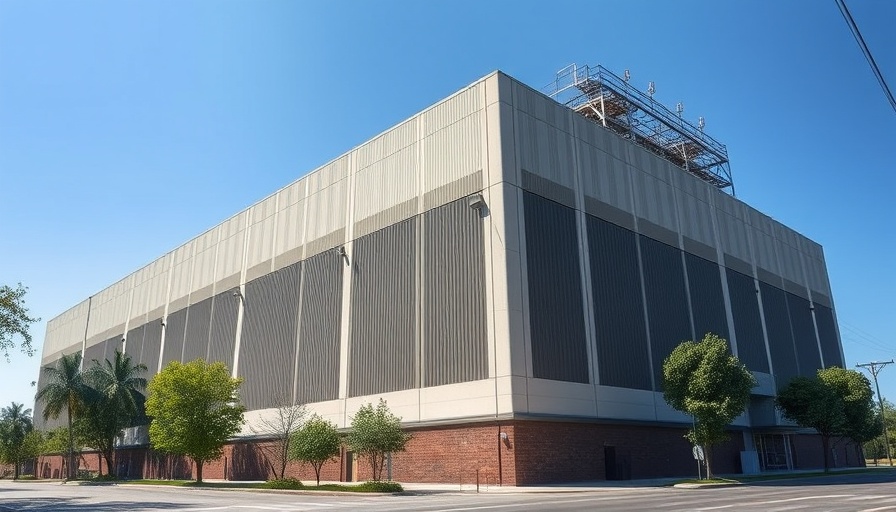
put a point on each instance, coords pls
(698, 453)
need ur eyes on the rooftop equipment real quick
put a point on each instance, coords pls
(612, 101)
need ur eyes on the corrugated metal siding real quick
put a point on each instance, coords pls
(94, 352)
(667, 301)
(780, 339)
(555, 291)
(152, 345)
(455, 340)
(654, 199)
(111, 345)
(453, 151)
(175, 328)
(696, 217)
(222, 337)
(707, 299)
(545, 150)
(261, 231)
(268, 340)
(605, 178)
(805, 342)
(199, 316)
(181, 271)
(321, 320)
(134, 344)
(230, 248)
(622, 355)
(205, 249)
(747, 321)
(827, 333)
(290, 218)
(383, 346)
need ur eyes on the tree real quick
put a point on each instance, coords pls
(15, 425)
(315, 443)
(375, 433)
(112, 401)
(14, 320)
(836, 402)
(65, 391)
(876, 448)
(705, 381)
(280, 428)
(194, 409)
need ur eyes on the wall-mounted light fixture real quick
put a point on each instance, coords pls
(811, 307)
(476, 202)
(122, 340)
(342, 254)
(162, 321)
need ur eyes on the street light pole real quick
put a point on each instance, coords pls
(874, 368)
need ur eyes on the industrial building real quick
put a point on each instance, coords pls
(508, 269)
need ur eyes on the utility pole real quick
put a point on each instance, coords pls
(874, 368)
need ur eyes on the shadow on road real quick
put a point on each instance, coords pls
(887, 477)
(75, 505)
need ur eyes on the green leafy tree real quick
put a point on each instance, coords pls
(15, 425)
(14, 320)
(375, 433)
(876, 447)
(112, 401)
(195, 410)
(64, 392)
(705, 381)
(315, 443)
(836, 402)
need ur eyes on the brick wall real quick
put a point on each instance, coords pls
(534, 452)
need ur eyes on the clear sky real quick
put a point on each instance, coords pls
(127, 128)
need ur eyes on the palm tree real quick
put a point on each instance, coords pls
(15, 424)
(113, 402)
(65, 391)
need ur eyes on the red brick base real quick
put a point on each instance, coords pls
(510, 453)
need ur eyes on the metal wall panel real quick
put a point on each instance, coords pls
(707, 299)
(804, 339)
(262, 225)
(667, 301)
(268, 340)
(654, 199)
(454, 311)
(545, 150)
(452, 153)
(321, 319)
(290, 217)
(780, 338)
(204, 254)
(696, 218)
(181, 271)
(621, 331)
(66, 329)
(112, 345)
(383, 339)
(827, 334)
(175, 329)
(604, 177)
(222, 335)
(152, 347)
(199, 317)
(230, 248)
(92, 352)
(747, 321)
(134, 344)
(555, 291)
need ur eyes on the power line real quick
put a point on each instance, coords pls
(870, 58)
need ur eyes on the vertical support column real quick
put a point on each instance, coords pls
(242, 298)
(347, 270)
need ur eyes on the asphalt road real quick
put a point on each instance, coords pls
(854, 493)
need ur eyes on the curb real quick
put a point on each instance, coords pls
(706, 486)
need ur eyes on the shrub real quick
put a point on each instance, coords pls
(380, 487)
(284, 483)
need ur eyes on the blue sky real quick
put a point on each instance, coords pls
(127, 128)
